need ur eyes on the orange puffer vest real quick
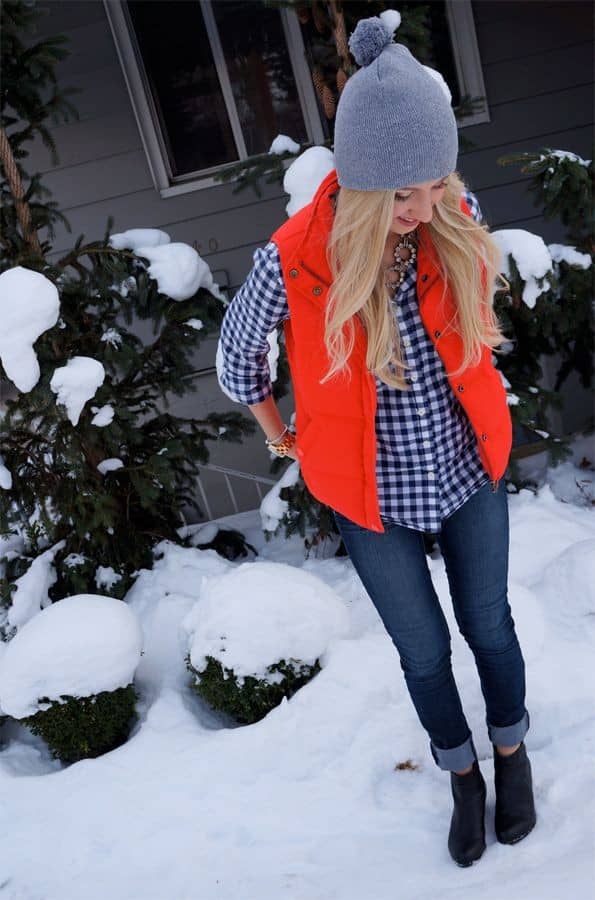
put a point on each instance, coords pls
(335, 421)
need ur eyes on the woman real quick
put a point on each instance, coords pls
(384, 285)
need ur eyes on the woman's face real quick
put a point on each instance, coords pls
(416, 203)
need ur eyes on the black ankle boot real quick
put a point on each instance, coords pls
(515, 807)
(466, 838)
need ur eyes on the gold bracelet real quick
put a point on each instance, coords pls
(281, 448)
(278, 438)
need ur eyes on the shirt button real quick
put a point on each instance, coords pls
(427, 443)
(431, 474)
(421, 411)
(406, 341)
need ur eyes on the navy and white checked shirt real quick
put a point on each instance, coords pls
(427, 463)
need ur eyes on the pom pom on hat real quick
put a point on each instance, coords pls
(372, 35)
(394, 122)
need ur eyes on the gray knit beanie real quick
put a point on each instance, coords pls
(394, 124)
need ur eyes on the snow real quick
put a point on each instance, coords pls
(199, 534)
(110, 465)
(30, 305)
(308, 803)
(112, 337)
(254, 616)
(77, 382)
(176, 267)
(106, 577)
(32, 588)
(531, 257)
(5, 476)
(569, 255)
(104, 415)
(134, 238)
(284, 144)
(567, 154)
(79, 646)
(74, 559)
(305, 175)
(272, 507)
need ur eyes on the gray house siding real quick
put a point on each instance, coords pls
(536, 59)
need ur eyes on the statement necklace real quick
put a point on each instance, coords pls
(405, 254)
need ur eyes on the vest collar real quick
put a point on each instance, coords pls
(308, 265)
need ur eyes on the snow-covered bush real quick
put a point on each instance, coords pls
(68, 675)
(257, 634)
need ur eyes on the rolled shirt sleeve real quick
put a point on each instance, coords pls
(258, 307)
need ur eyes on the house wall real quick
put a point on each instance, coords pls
(536, 60)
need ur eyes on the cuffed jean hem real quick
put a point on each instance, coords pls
(508, 735)
(455, 758)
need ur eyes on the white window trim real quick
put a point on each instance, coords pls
(465, 52)
(146, 116)
(463, 37)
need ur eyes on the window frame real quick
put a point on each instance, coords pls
(465, 53)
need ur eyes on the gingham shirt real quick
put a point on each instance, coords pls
(427, 462)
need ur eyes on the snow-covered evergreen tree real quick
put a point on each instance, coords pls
(549, 307)
(94, 467)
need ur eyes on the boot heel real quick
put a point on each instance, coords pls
(466, 838)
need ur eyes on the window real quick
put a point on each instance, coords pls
(218, 80)
(213, 82)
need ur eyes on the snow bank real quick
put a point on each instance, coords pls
(316, 800)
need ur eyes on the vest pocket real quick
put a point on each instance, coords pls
(333, 444)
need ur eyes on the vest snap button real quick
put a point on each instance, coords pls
(484, 437)
(424, 277)
(460, 387)
(437, 334)
(293, 273)
(317, 290)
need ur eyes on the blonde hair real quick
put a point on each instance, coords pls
(354, 252)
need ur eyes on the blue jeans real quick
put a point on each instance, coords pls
(394, 571)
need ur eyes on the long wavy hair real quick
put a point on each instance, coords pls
(355, 249)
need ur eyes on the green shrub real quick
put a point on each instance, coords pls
(85, 727)
(250, 698)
